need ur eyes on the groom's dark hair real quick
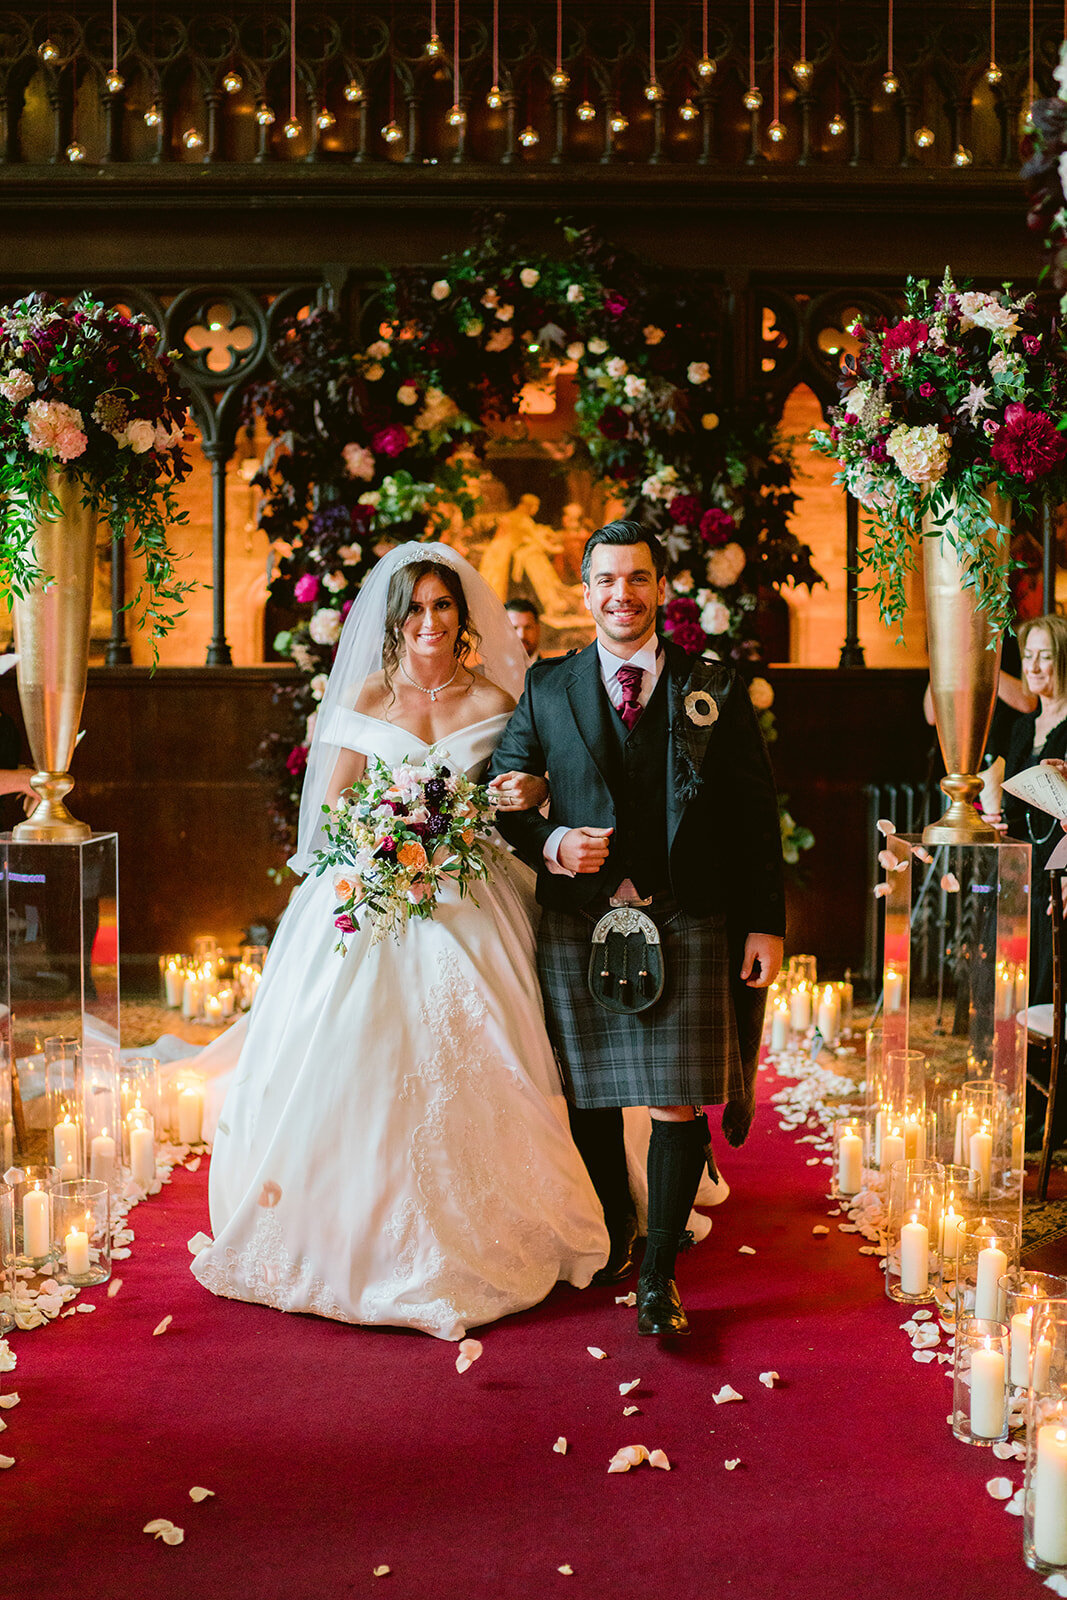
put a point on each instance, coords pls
(625, 531)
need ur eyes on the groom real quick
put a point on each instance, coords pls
(662, 800)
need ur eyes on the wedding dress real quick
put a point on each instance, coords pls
(393, 1147)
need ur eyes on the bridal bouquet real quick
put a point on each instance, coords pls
(404, 832)
(965, 394)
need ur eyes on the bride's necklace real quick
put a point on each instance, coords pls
(438, 688)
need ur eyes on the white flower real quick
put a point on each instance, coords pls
(500, 339)
(505, 313)
(575, 351)
(318, 685)
(616, 367)
(441, 289)
(379, 349)
(653, 335)
(359, 461)
(1060, 73)
(350, 553)
(715, 617)
(700, 708)
(139, 435)
(921, 454)
(529, 276)
(1062, 164)
(334, 582)
(490, 298)
(698, 372)
(682, 582)
(374, 372)
(987, 311)
(16, 386)
(597, 347)
(575, 293)
(635, 387)
(325, 626)
(407, 394)
(473, 329)
(370, 497)
(725, 566)
(761, 694)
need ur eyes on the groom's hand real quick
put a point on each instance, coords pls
(584, 849)
(763, 957)
(517, 791)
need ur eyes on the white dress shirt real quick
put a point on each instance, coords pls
(650, 659)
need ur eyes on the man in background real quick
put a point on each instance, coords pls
(525, 618)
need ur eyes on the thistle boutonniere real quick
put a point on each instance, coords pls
(698, 701)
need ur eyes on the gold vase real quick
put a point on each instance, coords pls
(964, 669)
(52, 627)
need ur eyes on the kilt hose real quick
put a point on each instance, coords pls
(683, 1050)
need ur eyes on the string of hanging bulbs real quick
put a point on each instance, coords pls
(803, 72)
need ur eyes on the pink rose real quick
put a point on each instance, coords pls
(306, 589)
(390, 441)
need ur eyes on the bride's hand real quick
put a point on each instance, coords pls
(518, 791)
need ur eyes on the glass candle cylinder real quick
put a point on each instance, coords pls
(1045, 1485)
(1048, 1348)
(960, 1205)
(31, 1196)
(988, 1248)
(779, 1025)
(874, 1090)
(64, 1111)
(1021, 1292)
(139, 1103)
(206, 949)
(801, 969)
(828, 1013)
(81, 1231)
(905, 1086)
(980, 1381)
(189, 1109)
(800, 1007)
(102, 1115)
(912, 1258)
(851, 1155)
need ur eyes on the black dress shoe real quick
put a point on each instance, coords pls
(659, 1306)
(620, 1262)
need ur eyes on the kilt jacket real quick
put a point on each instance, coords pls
(723, 842)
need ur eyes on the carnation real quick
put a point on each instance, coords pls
(716, 526)
(715, 616)
(685, 510)
(441, 289)
(698, 372)
(500, 339)
(690, 637)
(575, 293)
(653, 335)
(921, 454)
(635, 387)
(306, 589)
(1028, 445)
(359, 461)
(297, 760)
(505, 313)
(16, 386)
(597, 347)
(335, 582)
(54, 427)
(575, 351)
(529, 277)
(680, 609)
(318, 685)
(325, 626)
(490, 298)
(682, 581)
(761, 694)
(352, 553)
(407, 394)
(374, 372)
(616, 367)
(379, 349)
(725, 566)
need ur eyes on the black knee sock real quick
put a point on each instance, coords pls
(677, 1153)
(599, 1137)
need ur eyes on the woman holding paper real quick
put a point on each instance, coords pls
(1038, 737)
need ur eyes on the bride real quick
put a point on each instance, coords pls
(393, 1147)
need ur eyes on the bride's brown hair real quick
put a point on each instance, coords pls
(402, 586)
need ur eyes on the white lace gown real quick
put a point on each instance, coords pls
(393, 1147)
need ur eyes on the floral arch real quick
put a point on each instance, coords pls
(381, 438)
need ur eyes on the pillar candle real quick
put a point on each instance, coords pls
(65, 1146)
(226, 1001)
(174, 983)
(850, 1163)
(966, 1124)
(1041, 1372)
(829, 1018)
(36, 1234)
(992, 1264)
(981, 1158)
(191, 998)
(950, 1238)
(102, 1157)
(892, 1149)
(1050, 1495)
(190, 1116)
(914, 1140)
(142, 1156)
(77, 1248)
(1020, 1347)
(213, 1008)
(780, 1027)
(987, 1393)
(800, 1008)
(1005, 991)
(894, 991)
(914, 1257)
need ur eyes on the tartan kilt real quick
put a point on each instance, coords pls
(683, 1050)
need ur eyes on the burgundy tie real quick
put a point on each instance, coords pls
(630, 679)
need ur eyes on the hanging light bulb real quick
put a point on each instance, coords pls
(457, 117)
(292, 128)
(494, 99)
(192, 139)
(993, 74)
(325, 120)
(114, 83)
(434, 47)
(560, 80)
(264, 114)
(961, 156)
(48, 52)
(232, 82)
(353, 92)
(392, 133)
(586, 111)
(688, 111)
(706, 67)
(618, 123)
(776, 132)
(653, 93)
(924, 137)
(529, 137)
(803, 72)
(836, 125)
(752, 99)
(75, 151)
(153, 116)
(890, 83)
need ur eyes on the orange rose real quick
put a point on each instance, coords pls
(412, 855)
(467, 836)
(344, 888)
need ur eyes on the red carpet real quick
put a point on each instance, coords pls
(333, 1450)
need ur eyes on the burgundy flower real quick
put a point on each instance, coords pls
(306, 589)
(345, 609)
(345, 923)
(716, 526)
(680, 610)
(613, 423)
(389, 441)
(691, 637)
(685, 510)
(615, 305)
(361, 518)
(848, 420)
(877, 451)
(907, 335)
(1028, 445)
(297, 760)
(927, 390)
(1031, 343)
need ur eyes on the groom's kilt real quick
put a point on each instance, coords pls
(681, 1051)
